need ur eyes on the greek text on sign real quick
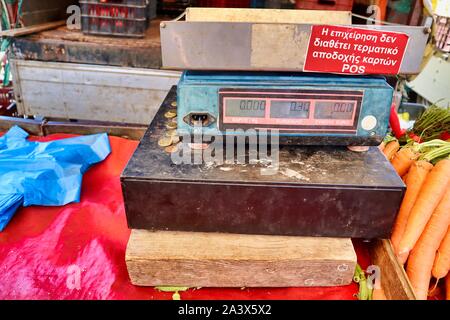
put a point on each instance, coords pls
(354, 50)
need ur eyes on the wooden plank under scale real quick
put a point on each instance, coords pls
(194, 259)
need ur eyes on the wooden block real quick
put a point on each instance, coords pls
(394, 280)
(191, 259)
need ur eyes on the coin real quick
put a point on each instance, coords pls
(165, 142)
(170, 114)
(358, 148)
(198, 146)
(171, 133)
(175, 139)
(173, 148)
(171, 125)
(174, 104)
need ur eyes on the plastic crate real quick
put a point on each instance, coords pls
(171, 7)
(224, 3)
(114, 18)
(114, 27)
(343, 5)
(122, 2)
(6, 98)
(152, 7)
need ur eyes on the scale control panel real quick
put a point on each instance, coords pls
(303, 109)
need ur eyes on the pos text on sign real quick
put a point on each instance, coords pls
(351, 50)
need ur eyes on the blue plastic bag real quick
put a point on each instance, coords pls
(44, 173)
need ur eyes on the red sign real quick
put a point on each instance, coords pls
(351, 50)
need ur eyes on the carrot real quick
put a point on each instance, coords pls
(391, 148)
(404, 178)
(403, 160)
(431, 193)
(382, 146)
(442, 262)
(414, 181)
(447, 287)
(378, 294)
(420, 262)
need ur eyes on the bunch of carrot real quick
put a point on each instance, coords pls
(421, 235)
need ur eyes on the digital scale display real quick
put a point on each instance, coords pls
(292, 110)
(246, 108)
(334, 110)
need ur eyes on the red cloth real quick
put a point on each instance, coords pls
(43, 248)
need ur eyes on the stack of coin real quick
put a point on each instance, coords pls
(171, 139)
(169, 143)
(171, 117)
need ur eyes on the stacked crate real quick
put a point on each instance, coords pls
(6, 99)
(224, 3)
(127, 18)
(341, 5)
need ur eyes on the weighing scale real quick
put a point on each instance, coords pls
(320, 187)
(317, 191)
(304, 109)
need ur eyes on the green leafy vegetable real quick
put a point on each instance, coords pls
(432, 123)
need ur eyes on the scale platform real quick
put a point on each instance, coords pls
(316, 191)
